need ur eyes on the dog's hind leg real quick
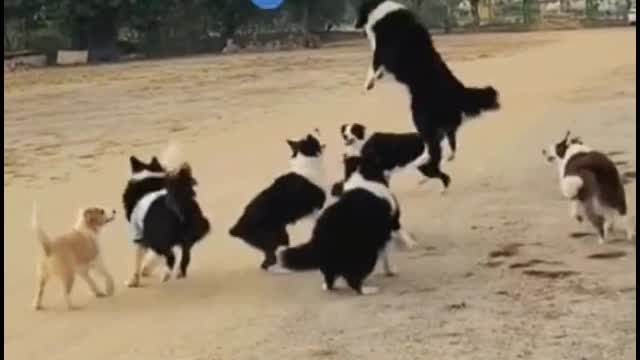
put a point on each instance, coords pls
(432, 170)
(135, 278)
(151, 260)
(68, 279)
(329, 280)
(43, 279)
(102, 270)
(355, 282)
(388, 268)
(185, 259)
(628, 226)
(597, 221)
(451, 139)
(170, 262)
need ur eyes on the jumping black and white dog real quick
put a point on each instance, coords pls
(396, 151)
(351, 233)
(160, 205)
(298, 194)
(592, 184)
(402, 46)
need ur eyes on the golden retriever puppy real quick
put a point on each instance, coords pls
(75, 252)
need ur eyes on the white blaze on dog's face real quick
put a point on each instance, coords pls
(354, 137)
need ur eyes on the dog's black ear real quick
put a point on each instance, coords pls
(136, 165)
(343, 128)
(155, 164)
(358, 131)
(295, 147)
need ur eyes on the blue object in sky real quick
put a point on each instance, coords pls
(267, 4)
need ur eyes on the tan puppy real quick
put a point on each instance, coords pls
(75, 252)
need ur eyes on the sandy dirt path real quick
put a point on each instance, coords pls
(68, 133)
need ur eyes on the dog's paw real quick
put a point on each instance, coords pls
(278, 269)
(166, 277)
(100, 294)
(391, 273)
(369, 290)
(451, 157)
(145, 272)
(37, 307)
(181, 275)
(134, 282)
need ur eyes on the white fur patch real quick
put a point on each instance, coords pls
(571, 185)
(356, 181)
(376, 15)
(146, 174)
(311, 168)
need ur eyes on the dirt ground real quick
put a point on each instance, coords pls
(69, 132)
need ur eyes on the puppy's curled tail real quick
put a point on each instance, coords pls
(40, 234)
(172, 158)
(301, 257)
(476, 100)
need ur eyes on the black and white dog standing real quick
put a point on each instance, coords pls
(351, 233)
(162, 211)
(592, 184)
(396, 151)
(402, 46)
(298, 194)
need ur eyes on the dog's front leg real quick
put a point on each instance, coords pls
(375, 71)
(84, 274)
(135, 278)
(102, 270)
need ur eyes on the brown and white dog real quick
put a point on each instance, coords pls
(75, 252)
(592, 183)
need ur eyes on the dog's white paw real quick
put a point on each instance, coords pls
(369, 290)
(167, 276)
(278, 269)
(601, 240)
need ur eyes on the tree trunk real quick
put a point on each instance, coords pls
(475, 12)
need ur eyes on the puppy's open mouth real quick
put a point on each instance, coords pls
(349, 142)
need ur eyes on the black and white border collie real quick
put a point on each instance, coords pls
(351, 233)
(402, 46)
(592, 184)
(298, 194)
(396, 151)
(162, 212)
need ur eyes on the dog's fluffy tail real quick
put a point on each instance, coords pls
(172, 158)
(476, 100)
(40, 234)
(302, 257)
